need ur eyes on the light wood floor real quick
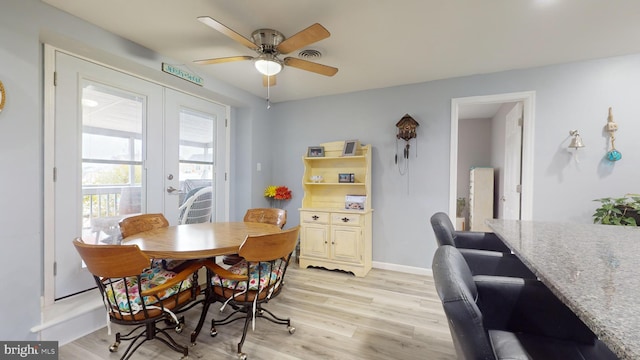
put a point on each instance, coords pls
(386, 315)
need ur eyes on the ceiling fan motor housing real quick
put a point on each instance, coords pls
(267, 40)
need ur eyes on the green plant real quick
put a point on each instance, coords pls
(618, 211)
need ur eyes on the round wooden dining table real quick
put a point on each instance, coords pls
(197, 241)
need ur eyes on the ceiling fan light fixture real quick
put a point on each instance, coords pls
(268, 65)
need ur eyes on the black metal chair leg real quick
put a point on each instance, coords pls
(244, 334)
(203, 316)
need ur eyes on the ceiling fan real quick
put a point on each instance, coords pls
(269, 44)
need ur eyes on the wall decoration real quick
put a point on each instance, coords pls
(406, 130)
(3, 96)
(613, 154)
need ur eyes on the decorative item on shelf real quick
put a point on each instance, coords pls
(613, 154)
(277, 193)
(316, 178)
(346, 178)
(354, 202)
(406, 131)
(315, 151)
(350, 147)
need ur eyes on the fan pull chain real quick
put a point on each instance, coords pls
(268, 93)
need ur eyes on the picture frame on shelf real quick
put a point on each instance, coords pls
(350, 147)
(346, 178)
(315, 151)
(355, 202)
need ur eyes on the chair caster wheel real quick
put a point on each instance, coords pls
(213, 333)
(292, 329)
(179, 328)
(242, 356)
(114, 347)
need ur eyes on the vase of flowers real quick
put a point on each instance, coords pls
(277, 193)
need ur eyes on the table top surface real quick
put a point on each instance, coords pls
(197, 241)
(593, 269)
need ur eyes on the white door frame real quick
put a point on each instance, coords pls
(528, 102)
(48, 135)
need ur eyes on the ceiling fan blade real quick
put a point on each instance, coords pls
(268, 80)
(222, 60)
(308, 36)
(310, 66)
(209, 21)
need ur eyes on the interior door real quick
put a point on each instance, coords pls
(106, 123)
(195, 144)
(511, 197)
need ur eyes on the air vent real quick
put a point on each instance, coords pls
(310, 54)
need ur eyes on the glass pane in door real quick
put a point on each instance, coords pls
(196, 158)
(112, 127)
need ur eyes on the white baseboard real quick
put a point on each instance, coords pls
(402, 268)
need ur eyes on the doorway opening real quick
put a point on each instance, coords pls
(514, 169)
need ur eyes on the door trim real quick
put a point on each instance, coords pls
(528, 104)
(49, 64)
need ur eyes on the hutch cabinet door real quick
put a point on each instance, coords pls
(345, 242)
(314, 240)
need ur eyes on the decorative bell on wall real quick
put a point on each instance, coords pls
(576, 142)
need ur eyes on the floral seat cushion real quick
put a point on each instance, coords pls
(260, 274)
(150, 278)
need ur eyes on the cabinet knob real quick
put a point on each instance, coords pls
(345, 219)
(315, 217)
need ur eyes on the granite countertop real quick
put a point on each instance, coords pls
(594, 269)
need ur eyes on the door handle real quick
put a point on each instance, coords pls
(171, 189)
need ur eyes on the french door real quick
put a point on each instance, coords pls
(124, 145)
(197, 128)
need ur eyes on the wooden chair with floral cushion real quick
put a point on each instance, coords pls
(251, 283)
(132, 225)
(136, 294)
(272, 216)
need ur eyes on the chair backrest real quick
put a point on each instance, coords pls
(112, 261)
(269, 247)
(443, 229)
(197, 207)
(458, 293)
(139, 223)
(272, 216)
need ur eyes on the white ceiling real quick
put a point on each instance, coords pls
(375, 44)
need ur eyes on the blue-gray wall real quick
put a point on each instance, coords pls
(569, 96)
(572, 96)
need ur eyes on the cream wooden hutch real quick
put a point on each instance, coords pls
(332, 236)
